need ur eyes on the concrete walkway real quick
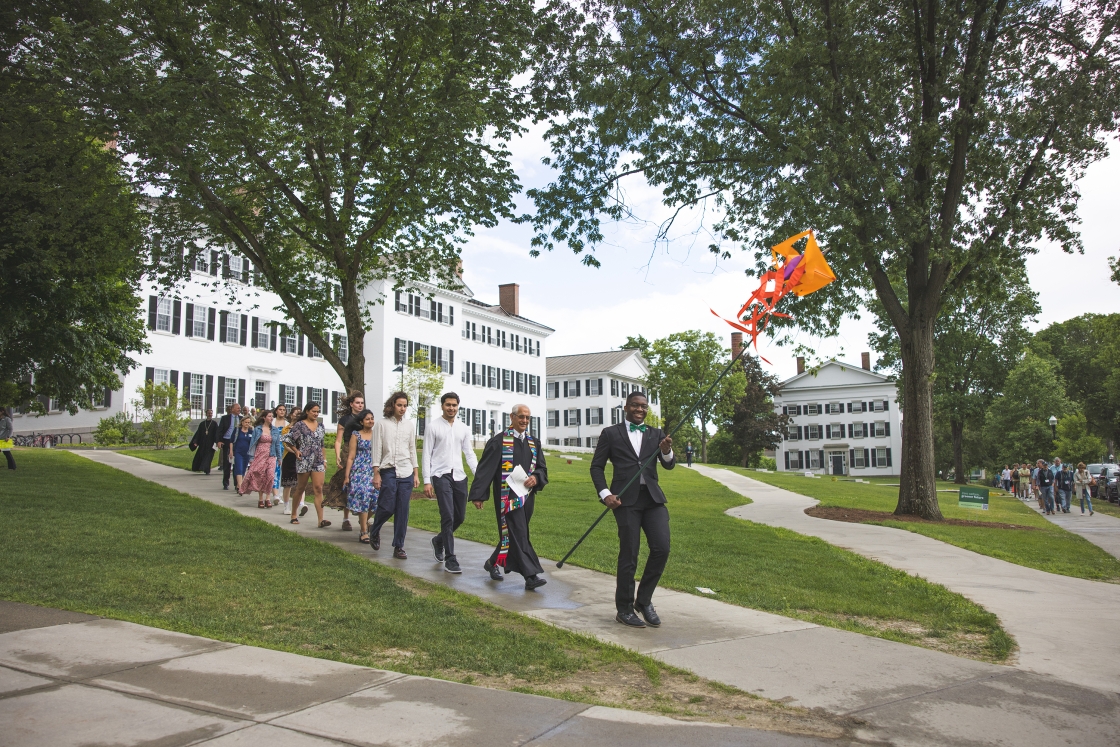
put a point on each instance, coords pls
(1064, 626)
(1100, 529)
(908, 695)
(70, 679)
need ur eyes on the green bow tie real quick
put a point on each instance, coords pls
(636, 427)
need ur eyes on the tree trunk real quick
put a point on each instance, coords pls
(917, 492)
(957, 428)
(703, 443)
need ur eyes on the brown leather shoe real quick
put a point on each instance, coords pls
(399, 553)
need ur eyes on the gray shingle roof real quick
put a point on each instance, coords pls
(566, 365)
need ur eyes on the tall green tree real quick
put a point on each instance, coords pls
(979, 337)
(1075, 443)
(71, 240)
(1017, 427)
(925, 142)
(327, 143)
(753, 423)
(681, 368)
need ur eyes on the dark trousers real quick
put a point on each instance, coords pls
(653, 519)
(224, 462)
(451, 497)
(522, 558)
(392, 501)
(11, 459)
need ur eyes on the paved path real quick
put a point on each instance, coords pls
(1100, 529)
(908, 695)
(70, 679)
(1059, 622)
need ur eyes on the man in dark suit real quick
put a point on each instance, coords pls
(518, 554)
(640, 508)
(227, 427)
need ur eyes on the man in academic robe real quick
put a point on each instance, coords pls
(639, 508)
(203, 443)
(227, 426)
(504, 452)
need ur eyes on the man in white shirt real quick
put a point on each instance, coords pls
(395, 472)
(446, 442)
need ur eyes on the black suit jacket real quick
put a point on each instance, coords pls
(488, 476)
(614, 445)
(223, 426)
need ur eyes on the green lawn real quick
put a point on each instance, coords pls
(753, 565)
(181, 458)
(1046, 546)
(128, 549)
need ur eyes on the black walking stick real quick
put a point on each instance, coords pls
(653, 456)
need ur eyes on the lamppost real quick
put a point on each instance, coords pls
(1054, 426)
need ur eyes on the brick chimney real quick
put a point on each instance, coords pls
(736, 343)
(508, 298)
(865, 361)
(800, 364)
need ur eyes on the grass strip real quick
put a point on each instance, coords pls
(1046, 546)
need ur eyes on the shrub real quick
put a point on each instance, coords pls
(115, 430)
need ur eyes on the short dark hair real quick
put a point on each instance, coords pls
(449, 395)
(632, 395)
(391, 403)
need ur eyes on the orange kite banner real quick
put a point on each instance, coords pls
(801, 273)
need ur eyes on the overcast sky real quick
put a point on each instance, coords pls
(655, 290)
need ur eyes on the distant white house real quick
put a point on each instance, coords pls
(585, 393)
(844, 421)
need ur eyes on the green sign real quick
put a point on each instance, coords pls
(974, 498)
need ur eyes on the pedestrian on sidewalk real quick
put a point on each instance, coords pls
(1081, 481)
(395, 471)
(1024, 482)
(447, 440)
(361, 496)
(289, 478)
(306, 438)
(241, 440)
(504, 453)
(688, 453)
(1044, 479)
(265, 450)
(279, 420)
(1005, 478)
(1063, 485)
(352, 406)
(6, 430)
(226, 427)
(202, 444)
(641, 508)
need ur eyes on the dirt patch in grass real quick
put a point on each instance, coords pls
(863, 516)
(956, 642)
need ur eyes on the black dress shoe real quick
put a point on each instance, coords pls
(494, 571)
(630, 619)
(437, 547)
(534, 582)
(375, 542)
(400, 554)
(650, 615)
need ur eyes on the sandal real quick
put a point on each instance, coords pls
(267, 503)
(260, 504)
(324, 523)
(364, 538)
(295, 520)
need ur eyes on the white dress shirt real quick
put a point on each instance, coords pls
(443, 444)
(394, 445)
(636, 442)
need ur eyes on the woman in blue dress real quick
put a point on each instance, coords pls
(361, 496)
(242, 439)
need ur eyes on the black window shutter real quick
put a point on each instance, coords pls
(299, 396)
(152, 304)
(866, 457)
(787, 459)
(799, 432)
(886, 405)
(149, 374)
(186, 390)
(887, 428)
(577, 387)
(210, 325)
(888, 457)
(451, 362)
(565, 417)
(226, 269)
(256, 329)
(176, 315)
(852, 459)
(107, 397)
(209, 393)
(175, 380)
(241, 391)
(281, 400)
(842, 431)
(600, 416)
(213, 266)
(785, 409)
(192, 263)
(301, 343)
(222, 327)
(188, 329)
(272, 337)
(245, 271)
(821, 452)
(222, 393)
(849, 407)
(244, 329)
(874, 460)
(588, 415)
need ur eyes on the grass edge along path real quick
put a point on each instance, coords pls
(1044, 546)
(123, 548)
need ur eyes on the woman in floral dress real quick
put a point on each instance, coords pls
(279, 420)
(361, 496)
(306, 439)
(265, 451)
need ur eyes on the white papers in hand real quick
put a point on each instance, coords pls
(516, 481)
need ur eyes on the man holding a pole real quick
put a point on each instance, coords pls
(640, 508)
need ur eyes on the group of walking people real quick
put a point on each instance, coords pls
(1053, 485)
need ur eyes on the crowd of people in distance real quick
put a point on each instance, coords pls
(1053, 485)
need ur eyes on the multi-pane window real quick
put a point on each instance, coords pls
(289, 397)
(835, 430)
(878, 405)
(856, 430)
(198, 324)
(229, 396)
(592, 442)
(162, 376)
(858, 406)
(314, 394)
(879, 429)
(813, 432)
(881, 458)
(470, 330)
(163, 314)
(812, 409)
(795, 461)
(534, 385)
(262, 334)
(342, 347)
(572, 417)
(815, 460)
(519, 383)
(616, 415)
(857, 458)
(233, 328)
(833, 408)
(552, 389)
(202, 262)
(553, 418)
(196, 394)
(595, 416)
(793, 433)
(571, 388)
(594, 387)
(614, 387)
(261, 392)
(312, 351)
(493, 377)
(289, 343)
(236, 266)
(507, 380)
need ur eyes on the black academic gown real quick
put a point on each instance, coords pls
(522, 558)
(203, 445)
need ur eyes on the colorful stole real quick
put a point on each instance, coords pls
(511, 501)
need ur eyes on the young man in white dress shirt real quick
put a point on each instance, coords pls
(446, 442)
(395, 472)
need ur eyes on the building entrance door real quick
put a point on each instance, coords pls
(837, 464)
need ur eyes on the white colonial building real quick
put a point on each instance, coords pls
(222, 340)
(586, 392)
(844, 421)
